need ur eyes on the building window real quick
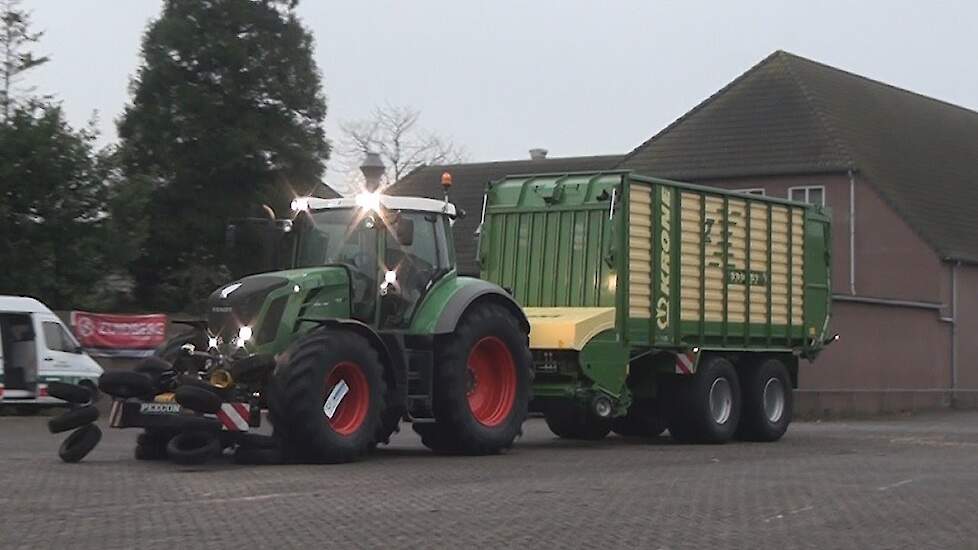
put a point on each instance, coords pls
(751, 191)
(812, 194)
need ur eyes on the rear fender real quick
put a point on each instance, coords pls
(448, 301)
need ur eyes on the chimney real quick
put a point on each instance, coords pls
(538, 153)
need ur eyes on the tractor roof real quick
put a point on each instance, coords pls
(390, 202)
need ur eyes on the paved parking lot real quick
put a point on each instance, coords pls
(893, 483)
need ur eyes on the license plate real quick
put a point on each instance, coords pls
(159, 408)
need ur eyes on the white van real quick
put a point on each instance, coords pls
(37, 348)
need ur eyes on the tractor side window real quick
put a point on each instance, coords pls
(414, 266)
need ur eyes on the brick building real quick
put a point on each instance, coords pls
(900, 174)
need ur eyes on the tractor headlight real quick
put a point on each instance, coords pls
(300, 204)
(369, 201)
(212, 342)
(244, 334)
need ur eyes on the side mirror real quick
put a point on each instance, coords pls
(404, 231)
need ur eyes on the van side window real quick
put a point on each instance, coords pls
(55, 337)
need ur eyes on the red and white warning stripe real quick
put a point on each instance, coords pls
(686, 362)
(115, 413)
(234, 416)
(42, 390)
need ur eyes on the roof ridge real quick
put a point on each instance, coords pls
(878, 82)
(700, 106)
(494, 162)
(814, 105)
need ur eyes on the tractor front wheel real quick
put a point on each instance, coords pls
(328, 400)
(482, 384)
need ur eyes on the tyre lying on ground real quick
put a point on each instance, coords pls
(72, 393)
(72, 419)
(193, 447)
(151, 444)
(482, 385)
(79, 443)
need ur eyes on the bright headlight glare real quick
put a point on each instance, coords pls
(244, 334)
(369, 201)
(390, 277)
(212, 342)
(300, 204)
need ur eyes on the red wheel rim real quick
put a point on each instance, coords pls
(352, 410)
(492, 381)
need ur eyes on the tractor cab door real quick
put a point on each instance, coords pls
(259, 245)
(417, 253)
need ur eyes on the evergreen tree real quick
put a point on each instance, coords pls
(16, 38)
(226, 114)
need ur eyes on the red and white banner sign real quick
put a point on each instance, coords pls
(108, 331)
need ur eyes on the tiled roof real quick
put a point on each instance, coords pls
(790, 115)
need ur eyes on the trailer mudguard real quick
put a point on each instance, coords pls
(451, 297)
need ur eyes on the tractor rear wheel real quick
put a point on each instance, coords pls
(328, 400)
(481, 384)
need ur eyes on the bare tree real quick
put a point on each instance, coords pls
(392, 132)
(15, 58)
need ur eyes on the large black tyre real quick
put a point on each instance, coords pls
(72, 393)
(198, 398)
(126, 384)
(151, 444)
(767, 401)
(79, 443)
(171, 351)
(436, 438)
(708, 403)
(193, 447)
(642, 420)
(481, 384)
(318, 364)
(73, 418)
(571, 419)
(159, 371)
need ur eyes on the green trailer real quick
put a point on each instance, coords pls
(655, 304)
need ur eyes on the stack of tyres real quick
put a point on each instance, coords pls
(80, 418)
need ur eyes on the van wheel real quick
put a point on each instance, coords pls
(709, 404)
(768, 401)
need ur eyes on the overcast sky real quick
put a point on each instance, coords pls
(577, 77)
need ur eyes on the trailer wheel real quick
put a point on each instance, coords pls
(328, 367)
(709, 404)
(767, 407)
(482, 384)
(643, 420)
(570, 419)
(79, 443)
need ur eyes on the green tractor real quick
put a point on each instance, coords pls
(368, 324)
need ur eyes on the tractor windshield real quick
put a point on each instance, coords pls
(342, 236)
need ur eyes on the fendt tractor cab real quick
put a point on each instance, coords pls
(368, 324)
